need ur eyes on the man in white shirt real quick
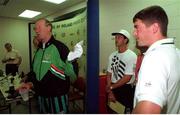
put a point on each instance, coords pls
(158, 87)
(121, 70)
(12, 59)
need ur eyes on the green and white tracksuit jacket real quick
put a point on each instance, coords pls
(53, 75)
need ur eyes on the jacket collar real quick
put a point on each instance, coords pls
(48, 43)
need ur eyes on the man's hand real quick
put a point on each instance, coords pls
(28, 86)
(111, 97)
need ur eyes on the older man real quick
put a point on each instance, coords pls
(52, 71)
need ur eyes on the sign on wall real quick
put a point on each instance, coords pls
(72, 31)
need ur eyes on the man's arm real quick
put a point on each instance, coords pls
(108, 89)
(19, 60)
(122, 81)
(69, 71)
(146, 107)
(15, 61)
(108, 82)
(68, 68)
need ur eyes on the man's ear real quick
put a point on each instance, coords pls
(49, 28)
(126, 41)
(155, 27)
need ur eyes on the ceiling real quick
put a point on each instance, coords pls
(12, 8)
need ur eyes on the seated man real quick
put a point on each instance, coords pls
(120, 71)
(12, 60)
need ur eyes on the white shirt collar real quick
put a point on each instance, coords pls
(159, 42)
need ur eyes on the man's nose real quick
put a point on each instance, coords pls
(134, 33)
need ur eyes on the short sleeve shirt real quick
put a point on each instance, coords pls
(121, 64)
(159, 77)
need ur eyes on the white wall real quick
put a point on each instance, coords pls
(15, 32)
(118, 14)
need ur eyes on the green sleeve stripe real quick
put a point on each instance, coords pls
(57, 72)
(58, 75)
(57, 69)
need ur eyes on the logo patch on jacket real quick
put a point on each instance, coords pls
(46, 58)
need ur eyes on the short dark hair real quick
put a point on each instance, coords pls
(153, 14)
(7, 45)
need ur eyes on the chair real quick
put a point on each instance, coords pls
(78, 93)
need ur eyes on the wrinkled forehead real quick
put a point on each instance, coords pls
(40, 23)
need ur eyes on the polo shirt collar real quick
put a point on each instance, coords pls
(160, 42)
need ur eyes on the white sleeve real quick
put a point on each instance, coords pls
(152, 84)
(131, 64)
(109, 64)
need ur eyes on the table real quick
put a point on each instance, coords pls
(4, 86)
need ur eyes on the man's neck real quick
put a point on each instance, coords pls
(48, 37)
(9, 50)
(156, 38)
(122, 49)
